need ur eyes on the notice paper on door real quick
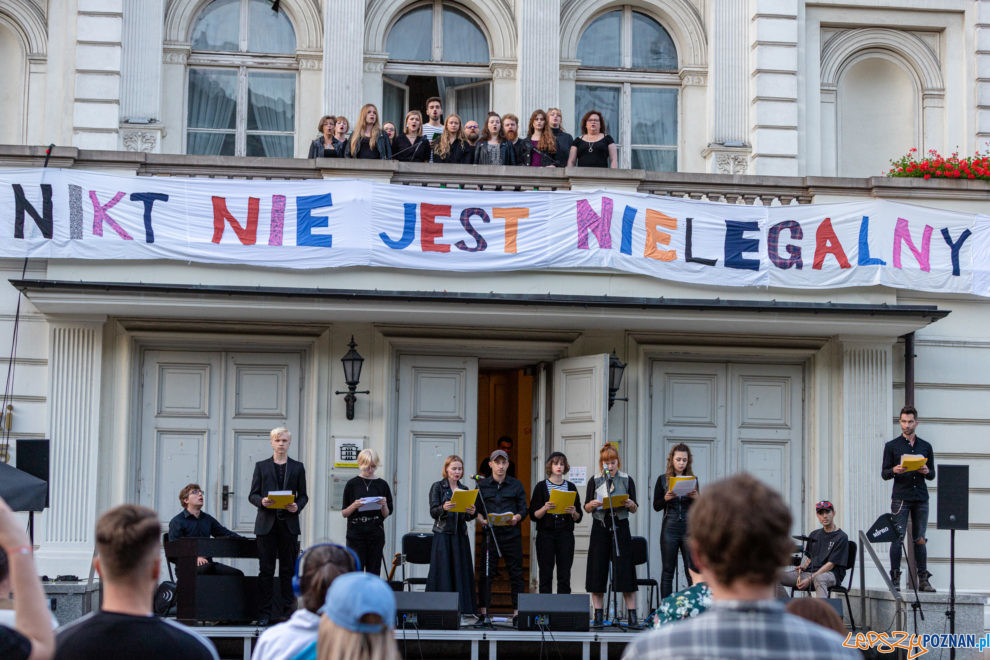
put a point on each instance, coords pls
(371, 503)
(681, 486)
(578, 475)
(281, 498)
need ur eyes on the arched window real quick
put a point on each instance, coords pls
(242, 81)
(628, 72)
(436, 49)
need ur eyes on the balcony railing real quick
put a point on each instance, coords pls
(734, 189)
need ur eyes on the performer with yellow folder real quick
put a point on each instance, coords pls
(668, 497)
(555, 507)
(451, 562)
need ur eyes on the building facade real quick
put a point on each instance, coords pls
(148, 377)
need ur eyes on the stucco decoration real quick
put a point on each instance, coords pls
(839, 49)
(180, 15)
(29, 21)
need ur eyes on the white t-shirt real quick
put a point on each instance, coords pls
(286, 640)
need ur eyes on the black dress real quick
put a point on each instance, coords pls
(593, 154)
(417, 151)
(366, 529)
(451, 564)
(601, 546)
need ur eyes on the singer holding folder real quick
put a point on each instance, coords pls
(451, 564)
(555, 524)
(367, 503)
(277, 529)
(611, 483)
(673, 533)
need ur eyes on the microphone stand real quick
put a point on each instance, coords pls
(611, 593)
(498, 550)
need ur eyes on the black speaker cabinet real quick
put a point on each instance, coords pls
(953, 497)
(433, 610)
(32, 457)
(560, 612)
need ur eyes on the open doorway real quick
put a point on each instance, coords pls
(505, 409)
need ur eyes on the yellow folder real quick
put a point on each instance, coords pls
(912, 462)
(462, 499)
(500, 519)
(281, 498)
(681, 491)
(561, 499)
(615, 501)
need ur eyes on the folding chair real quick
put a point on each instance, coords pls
(416, 549)
(838, 588)
(641, 555)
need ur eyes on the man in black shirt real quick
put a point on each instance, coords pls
(193, 522)
(825, 555)
(128, 548)
(505, 444)
(501, 494)
(910, 494)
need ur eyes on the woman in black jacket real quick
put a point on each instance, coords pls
(555, 529)
(492, 147)
(673, 532)
(368, 139)
(323, 145)
(452, 147)
(410, 145)
(451, 564)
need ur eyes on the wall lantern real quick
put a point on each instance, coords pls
(353, 362)
(616, 368)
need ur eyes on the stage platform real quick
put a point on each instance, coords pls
(473, 640)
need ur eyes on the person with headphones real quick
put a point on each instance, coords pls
(315, 571)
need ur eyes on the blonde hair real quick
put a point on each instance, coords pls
(447, 138)
(279, 430)
(368, 456)
(358, 131)
(336, 643)
(405, 122)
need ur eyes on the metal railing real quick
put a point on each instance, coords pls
(901, 614)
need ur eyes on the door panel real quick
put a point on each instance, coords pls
(580, 427)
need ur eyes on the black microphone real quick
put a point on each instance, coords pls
(478, 477)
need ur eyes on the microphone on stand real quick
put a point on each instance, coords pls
(477, 477)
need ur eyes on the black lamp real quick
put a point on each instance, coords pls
(352, 362)
(616, 368)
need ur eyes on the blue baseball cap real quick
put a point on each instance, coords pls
(353, 595)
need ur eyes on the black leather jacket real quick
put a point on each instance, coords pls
(383, 144)
(444, 521)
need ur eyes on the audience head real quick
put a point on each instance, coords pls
(609, 454)
(193, 492)
(358, 615)
(317, 568)
(680, 460)
(368, 458)
(597, 124)
(434, 108)
(453, 467)
(471, 131)
(538, 122)
(413, 123)
(328, 121)
(493, 128)
(557, 458)
(389, 129)
(341, 126)
(739, 531)
(817, 611)
(367, 121)
(555, 118)
(128, 546)
(510, 124)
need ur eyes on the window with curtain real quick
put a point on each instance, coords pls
(640, 110)
(437, 49)
(242, 81)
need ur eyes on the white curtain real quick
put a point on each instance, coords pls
(217, 26)
(271, 107)
(472, 103)
(269, 32)
(463, 41)
(212, 105)
(604, 99)
(411, 38)
(652, 47)
(600, 43)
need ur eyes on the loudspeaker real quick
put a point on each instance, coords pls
(433, 610)
(883, 530)
(554, 612)
(32, 457)
(953, 497)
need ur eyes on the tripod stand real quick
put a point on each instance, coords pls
(486, 621)
(611, 593)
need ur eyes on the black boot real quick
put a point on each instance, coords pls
(633, 619)
(895, 577)
(599, 616)
(923, 583)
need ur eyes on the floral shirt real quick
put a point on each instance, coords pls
(687, 603)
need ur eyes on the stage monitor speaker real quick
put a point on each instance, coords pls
(433, 610)
(32, 457)
(560, 612)
(953, 497)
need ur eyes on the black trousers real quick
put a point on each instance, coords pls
(555, 547)
(283, 545)
(368, 543)
(511, 546)
(673, 537)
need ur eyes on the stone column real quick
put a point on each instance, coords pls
(96, 76)
(773, 86)
(728, 148)
(568, 78)
(538, 23)
(141, 125)
(504, 96)
(75, 355)
(983, 72)
(867, 414)
(343, 54)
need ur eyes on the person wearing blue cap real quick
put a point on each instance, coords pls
(358, 617)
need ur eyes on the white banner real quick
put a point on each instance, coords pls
(71, 214)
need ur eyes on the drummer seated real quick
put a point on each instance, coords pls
(193, 522)
(824, 561)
